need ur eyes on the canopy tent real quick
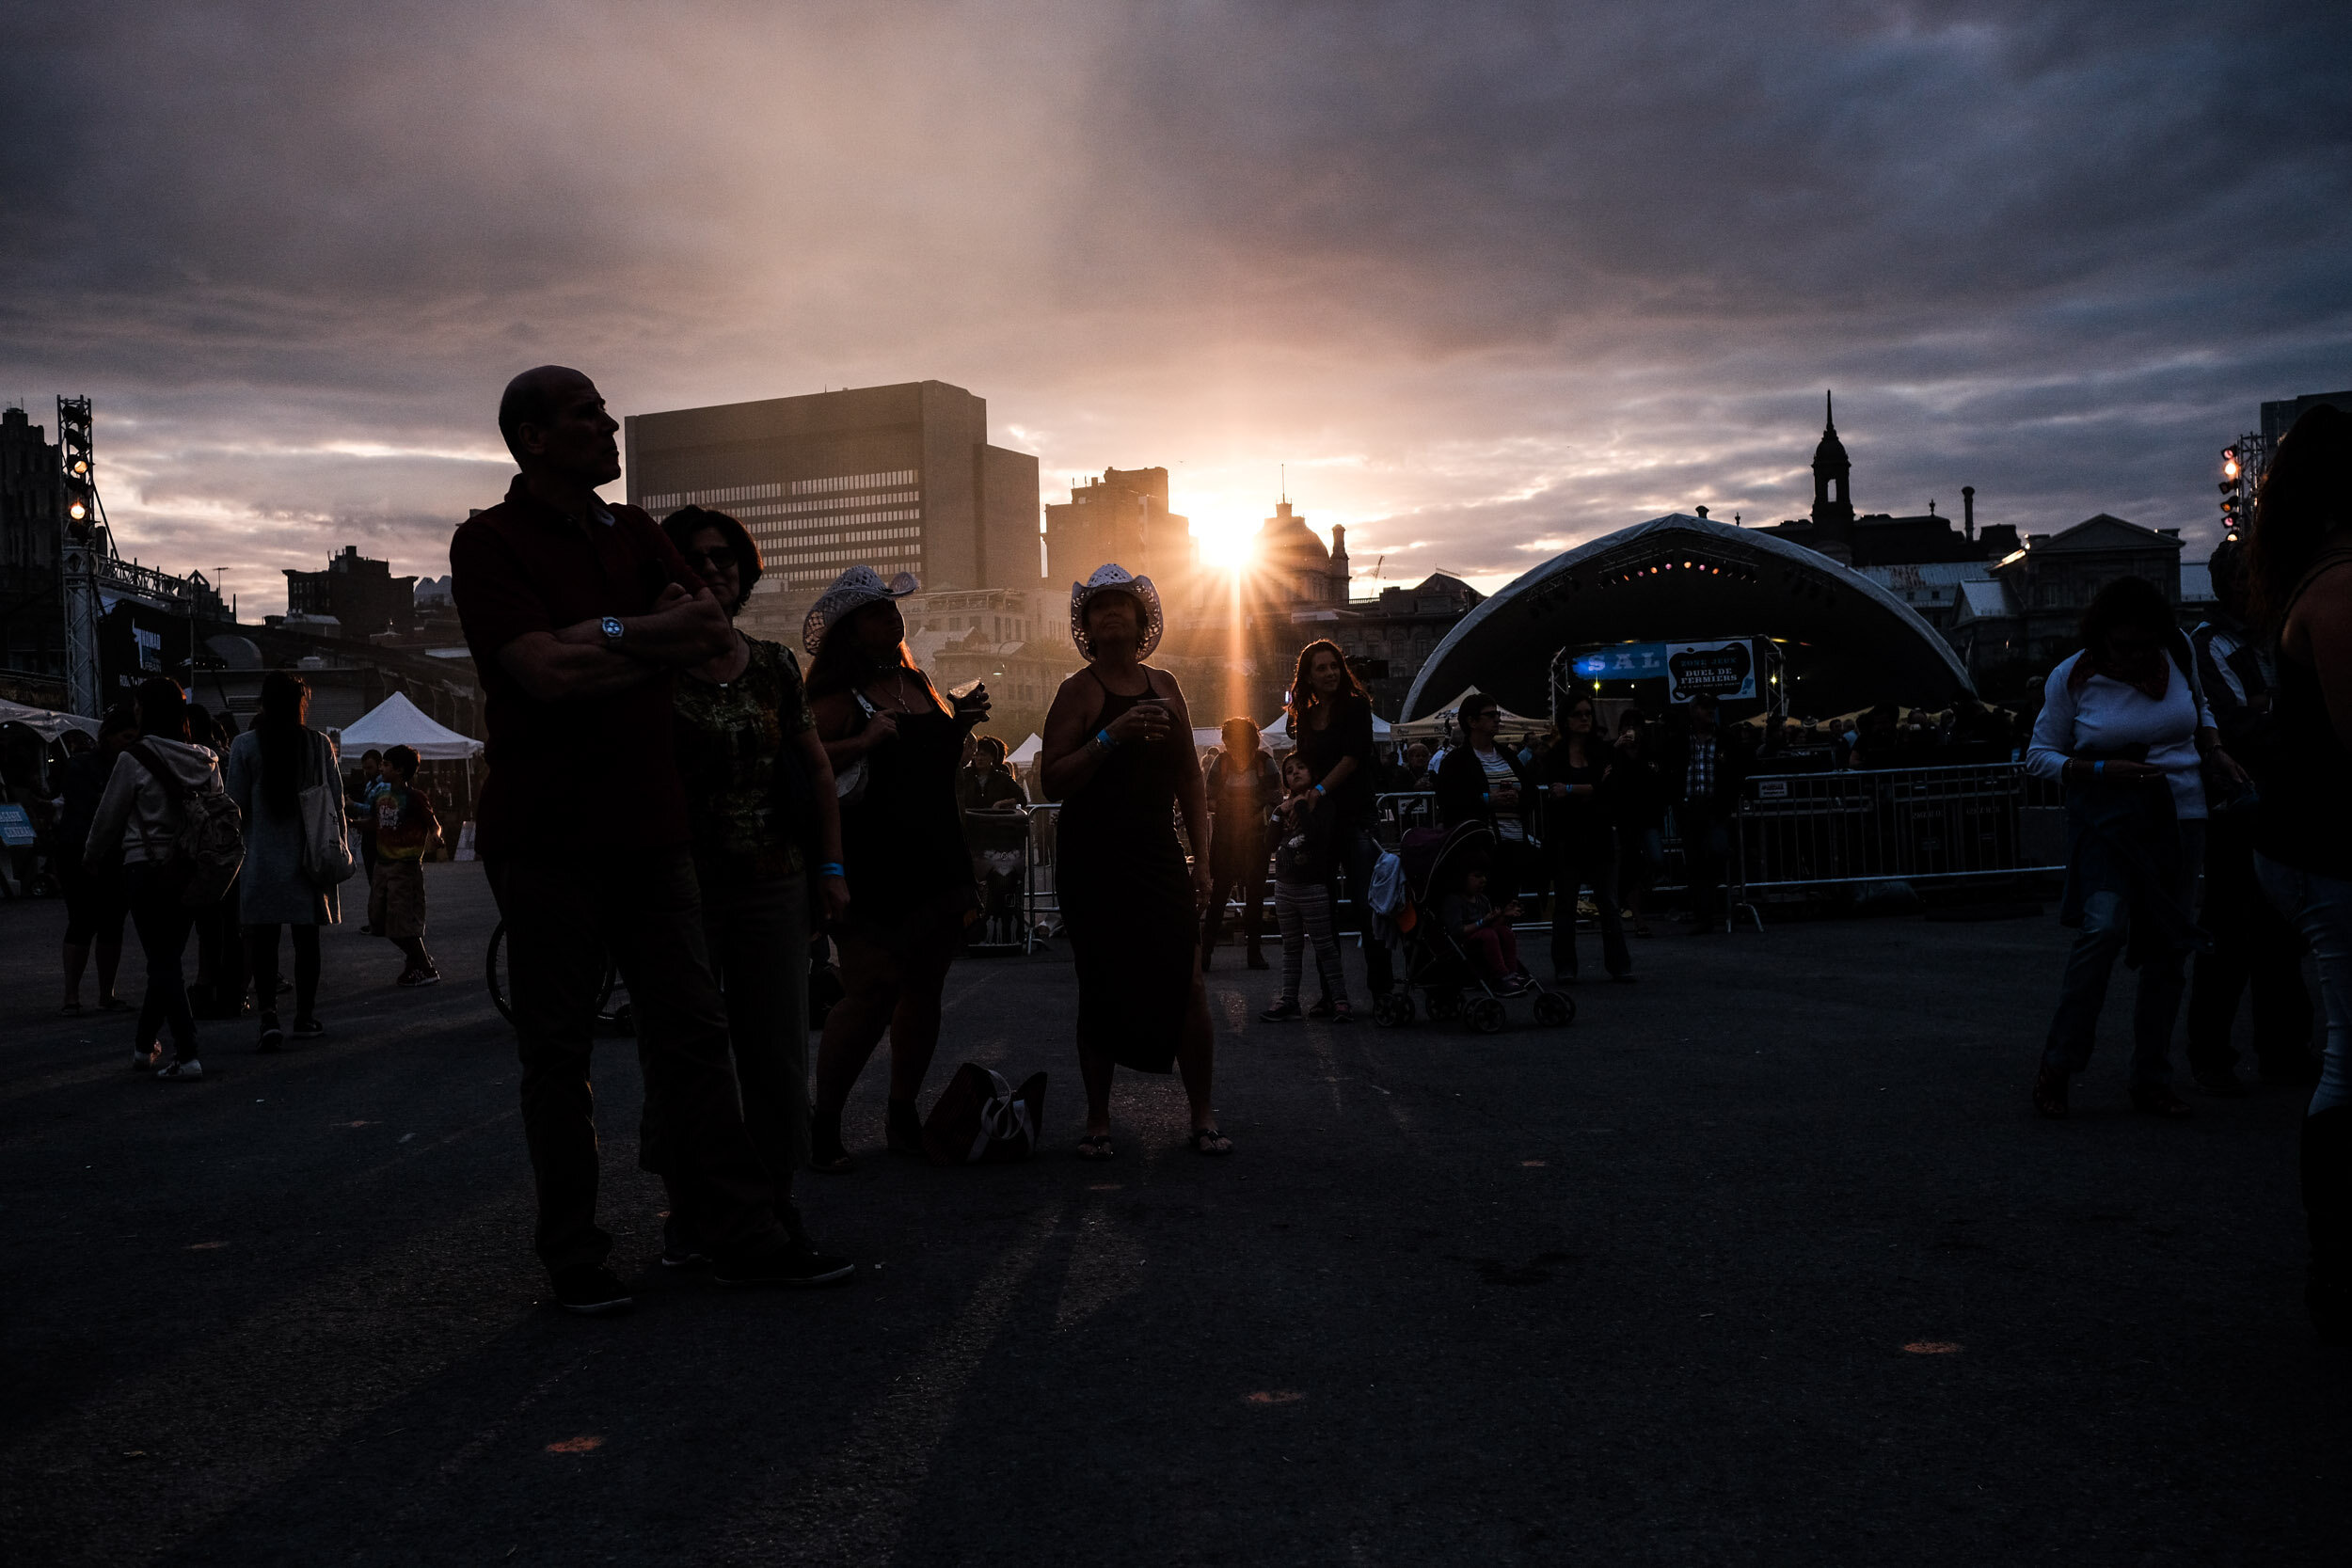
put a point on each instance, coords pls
(1279, 731)
(1439, 724)
(1849, 643)
(398, 722)
(1026, 754)
(45, 722)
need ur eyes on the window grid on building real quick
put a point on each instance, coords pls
(725, 495)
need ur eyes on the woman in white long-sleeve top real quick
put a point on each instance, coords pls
(137, 826)
(2123, 724)
(268, 768)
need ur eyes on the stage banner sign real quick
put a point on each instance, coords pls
(1724, 670)
(1627, 661)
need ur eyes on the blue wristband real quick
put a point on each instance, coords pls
(2097, 768)
(1319, 789)
(1105, 740)
(832, 868)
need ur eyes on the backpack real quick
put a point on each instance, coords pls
(211, 846)
(980, 1119)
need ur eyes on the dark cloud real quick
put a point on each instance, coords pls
(1486, 275)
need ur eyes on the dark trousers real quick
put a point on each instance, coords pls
(1242, 868)
(645, 909)
(162, 922)
(2253, 947)
(758, 932)
(1575, 858)
(261, 943)
(1705, 845)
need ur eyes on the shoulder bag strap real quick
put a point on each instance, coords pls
(173, 790)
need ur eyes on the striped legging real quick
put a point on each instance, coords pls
(1303, 909)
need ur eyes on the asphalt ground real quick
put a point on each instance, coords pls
(1765, 1260)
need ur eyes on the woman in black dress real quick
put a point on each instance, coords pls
(1117, 753)
(1330, 723)
(1577, 841)
(896, 747)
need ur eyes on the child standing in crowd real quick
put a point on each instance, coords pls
(406, 828)
(1471, 915)
(1304, 853)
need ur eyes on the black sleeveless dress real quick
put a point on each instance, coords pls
(1126, 898)
(902, 841)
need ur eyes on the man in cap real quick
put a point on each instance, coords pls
(576, 614)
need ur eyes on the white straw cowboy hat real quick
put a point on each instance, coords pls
(1115, 579)
(852, 589)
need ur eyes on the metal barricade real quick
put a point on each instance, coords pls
(1040, 902)
(1796, 831)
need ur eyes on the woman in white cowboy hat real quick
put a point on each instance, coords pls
(1117, 753)
(896, 744)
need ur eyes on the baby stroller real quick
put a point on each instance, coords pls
(1434, 862)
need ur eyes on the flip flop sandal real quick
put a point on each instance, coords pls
(1096, 1147)
(1206, 1140)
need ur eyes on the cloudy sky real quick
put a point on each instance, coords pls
(1490, 278)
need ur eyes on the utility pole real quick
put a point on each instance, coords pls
(85, 544)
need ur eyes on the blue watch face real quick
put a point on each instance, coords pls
(613, 627)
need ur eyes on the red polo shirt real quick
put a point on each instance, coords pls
(584, 776)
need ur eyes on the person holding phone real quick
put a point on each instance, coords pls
(1117, 751)
(895, 746)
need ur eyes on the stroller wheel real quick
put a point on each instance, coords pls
(1555, 1011)
(1486, 1016)
(1392, 1009)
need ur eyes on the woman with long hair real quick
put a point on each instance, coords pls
(739, 722)
(1573, 777)
(2301, 558)
(1117, 753)
(269, 765)
(1330, 724)
(138, 827)
(2125, 727)
(895, 746)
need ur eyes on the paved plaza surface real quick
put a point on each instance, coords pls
(1765, 1260)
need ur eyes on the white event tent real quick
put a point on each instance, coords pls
(398, 722)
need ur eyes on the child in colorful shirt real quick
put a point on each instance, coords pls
(406, 828)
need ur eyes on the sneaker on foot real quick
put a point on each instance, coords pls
(272, 1035)
(187, 1072)
(420, 977)
(1282, 1012)
(794, 1263)
(308, 1028)
(680, 1247)
(593, 1292)
(143, 1061)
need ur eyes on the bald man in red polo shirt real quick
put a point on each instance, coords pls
(578, 613)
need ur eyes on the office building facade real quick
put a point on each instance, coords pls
(900, 478)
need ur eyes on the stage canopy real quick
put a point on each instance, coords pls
(398, 722)
(1849, 643)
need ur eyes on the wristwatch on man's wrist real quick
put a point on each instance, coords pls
(611, 626)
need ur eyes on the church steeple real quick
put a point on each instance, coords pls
(1833, 506)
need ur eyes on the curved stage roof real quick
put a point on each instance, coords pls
(1849, 642)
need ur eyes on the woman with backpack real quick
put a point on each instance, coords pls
(142, 824)
(2125, 725)
(269, 765)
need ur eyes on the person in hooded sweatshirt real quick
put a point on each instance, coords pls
(137, 826)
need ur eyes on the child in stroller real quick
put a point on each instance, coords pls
(1447, 925)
